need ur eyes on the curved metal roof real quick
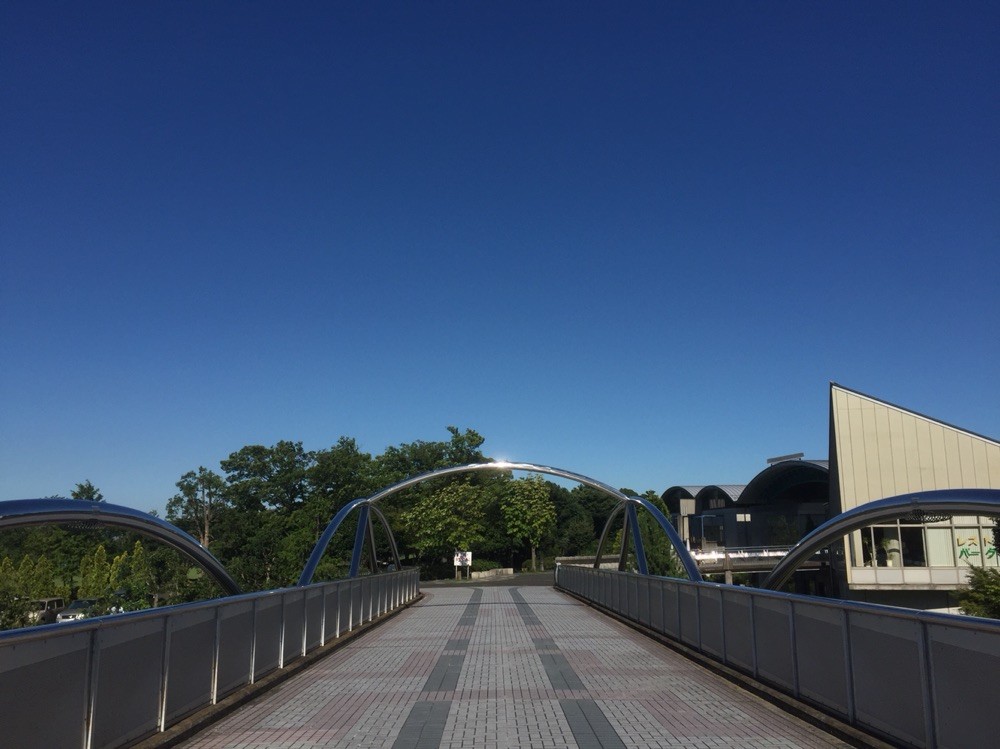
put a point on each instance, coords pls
(733, 491)
(789, 481)
(672, 497)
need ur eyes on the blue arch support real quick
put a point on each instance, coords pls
(624, 501)
(27, 512)
(942, 501)
(630, 506)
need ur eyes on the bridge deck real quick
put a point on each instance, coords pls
(497, 667)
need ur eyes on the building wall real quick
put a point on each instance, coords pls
(883, 451)
(880, 450)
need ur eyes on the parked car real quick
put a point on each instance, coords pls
(45, 610)
(79, 609)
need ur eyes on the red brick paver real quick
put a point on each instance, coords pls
(361, 695)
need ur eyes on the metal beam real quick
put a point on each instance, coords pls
(944, 501)
(29, 512)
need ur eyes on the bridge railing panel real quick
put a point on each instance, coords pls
(346, 595)
(773, 642)
(713, 639)
(235, 647)
(738, 630)
(963, 671)
(126, 680)
(331, 612)
(888, 665)
(357, 608)
(190, 656)
(315, 612)
(109, 681)
(46, 671)
(916, 678)
(821, 655)
(267, 635)
(687, 606)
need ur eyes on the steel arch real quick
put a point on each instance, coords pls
(27, 512)
(947, 501)
(309, 570)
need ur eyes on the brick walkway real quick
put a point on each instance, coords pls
(507, 667)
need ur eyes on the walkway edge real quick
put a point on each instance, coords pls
(202, 719)
(802, 710)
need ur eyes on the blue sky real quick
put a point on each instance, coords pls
(635, 241)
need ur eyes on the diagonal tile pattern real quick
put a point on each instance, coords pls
(507, 667)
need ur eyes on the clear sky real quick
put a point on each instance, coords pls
(632, 240)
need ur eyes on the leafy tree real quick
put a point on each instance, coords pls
(661, 556)
(528, 512)
(198, 502)
(43, 580)
(87, 491)
(13, 598)
(95, 574)
(574, 532)
(259, 477)
(596, 503)
(982, 597)
(138, 582)
(451, 518)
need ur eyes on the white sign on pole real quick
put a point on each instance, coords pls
(463, 558)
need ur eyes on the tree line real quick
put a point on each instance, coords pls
(263, 510)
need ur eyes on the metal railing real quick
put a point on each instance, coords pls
(109, 681)
(915, 678)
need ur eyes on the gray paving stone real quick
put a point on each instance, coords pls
(497, 668)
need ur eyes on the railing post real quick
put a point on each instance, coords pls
(253, 641)
(215, 654)
(164, 673)
(792, 641)
(94, 664)
(927, 688)
(305, 621)
(849, 666)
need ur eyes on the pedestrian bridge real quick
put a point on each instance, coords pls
(502, 666)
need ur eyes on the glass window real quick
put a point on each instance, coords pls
(969, 546)
(887, 549)
(990, 556)
(911, 540)
(863, 540)
(939, 547)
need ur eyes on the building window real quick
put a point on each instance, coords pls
(942, 544)
(939, 547)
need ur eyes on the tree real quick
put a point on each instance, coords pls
(528, 512)
(95, 574)
(982, 597)
(259, 477)
(661, 557)
(87, 491)
(449, 519)
(198, 502)
(13, 599)
(138, 582)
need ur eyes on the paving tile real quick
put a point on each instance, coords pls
(496, 668)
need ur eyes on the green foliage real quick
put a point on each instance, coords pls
(197, 504)
(528, 512)
(13, 598)
(87, 491)
(451, 518)
(263, 509)
(95, 574)
(982, 597)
